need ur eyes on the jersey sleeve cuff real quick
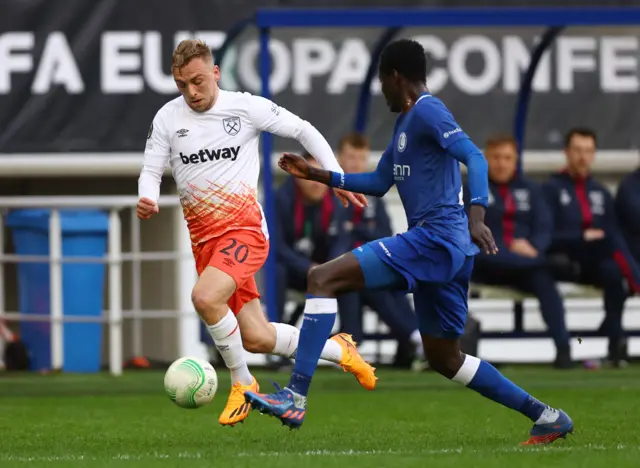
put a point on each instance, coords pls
(337, 179)
(483, 201)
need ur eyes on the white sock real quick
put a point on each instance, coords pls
(287, 344)
(468, 370)
(226, 336)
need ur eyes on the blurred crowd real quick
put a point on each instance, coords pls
(569, 228)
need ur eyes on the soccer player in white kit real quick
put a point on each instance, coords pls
(210, 139)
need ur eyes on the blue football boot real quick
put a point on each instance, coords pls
(285, 405)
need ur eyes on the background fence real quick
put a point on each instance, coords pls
(81, 83)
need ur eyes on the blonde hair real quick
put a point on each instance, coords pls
(188, 50)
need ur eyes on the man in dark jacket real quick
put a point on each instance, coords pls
(365, 225)
(586, 232)
(519, 218)
(628, 211)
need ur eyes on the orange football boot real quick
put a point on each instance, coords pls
(353, 362)
(237, 408)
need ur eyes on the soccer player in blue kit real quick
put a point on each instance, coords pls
(433, 259)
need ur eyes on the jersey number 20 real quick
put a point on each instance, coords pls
(241, 252)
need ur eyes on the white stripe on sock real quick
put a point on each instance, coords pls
(467, 372)
(321, 305)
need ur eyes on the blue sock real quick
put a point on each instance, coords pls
(485, 379)
(319, 318)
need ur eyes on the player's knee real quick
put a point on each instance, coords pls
(319, 282)
(209, 304)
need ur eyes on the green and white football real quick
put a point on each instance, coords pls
(191, 382)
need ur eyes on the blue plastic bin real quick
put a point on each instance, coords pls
(84, 233)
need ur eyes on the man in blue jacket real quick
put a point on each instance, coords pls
(586, 232)
(362, 225)
(519, 218)
(628, 211)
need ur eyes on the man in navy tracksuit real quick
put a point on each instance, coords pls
(365, 225)
(628, 211)
(586, 232)
(519, 218)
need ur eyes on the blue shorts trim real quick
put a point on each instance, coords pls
(377, 274)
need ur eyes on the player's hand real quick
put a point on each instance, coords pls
(146, 208)
(295, 165)
(480, 233)
(356, 199)
(523, 247)
(483, 238)
(593, 234)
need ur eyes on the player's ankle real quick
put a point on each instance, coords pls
(299, 384)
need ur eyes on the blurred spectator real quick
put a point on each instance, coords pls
(519, 218)
(586, 234)
(628, 211)
(365, 225)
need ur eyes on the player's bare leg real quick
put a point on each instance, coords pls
(446, 358)
(263, 337)
(324, 283)
(210, 296)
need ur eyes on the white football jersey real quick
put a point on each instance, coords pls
(215, 160)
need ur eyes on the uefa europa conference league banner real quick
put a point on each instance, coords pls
(89, 76)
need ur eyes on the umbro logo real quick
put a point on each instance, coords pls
(182, 132)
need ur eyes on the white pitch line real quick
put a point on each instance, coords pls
(312, 453)
(459, 450)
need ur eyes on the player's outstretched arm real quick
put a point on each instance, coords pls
(375, 183)
(478, 179)
(266, 116)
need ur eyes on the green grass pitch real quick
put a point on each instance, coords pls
(409, 420)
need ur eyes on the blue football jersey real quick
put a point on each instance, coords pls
(428, 179)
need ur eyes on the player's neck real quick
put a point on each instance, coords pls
(412, 95)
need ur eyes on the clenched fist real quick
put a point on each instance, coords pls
(146, 208)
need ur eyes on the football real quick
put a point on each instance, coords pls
(191, 382)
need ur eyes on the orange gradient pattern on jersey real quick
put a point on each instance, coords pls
(216, 209)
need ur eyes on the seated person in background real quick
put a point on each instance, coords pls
(307, 233)
(519, 219)
(586, 234)
(628, 211)
(361, 226)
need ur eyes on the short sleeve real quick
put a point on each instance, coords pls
(439, 123)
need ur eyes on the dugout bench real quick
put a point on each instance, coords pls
(479, 291)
